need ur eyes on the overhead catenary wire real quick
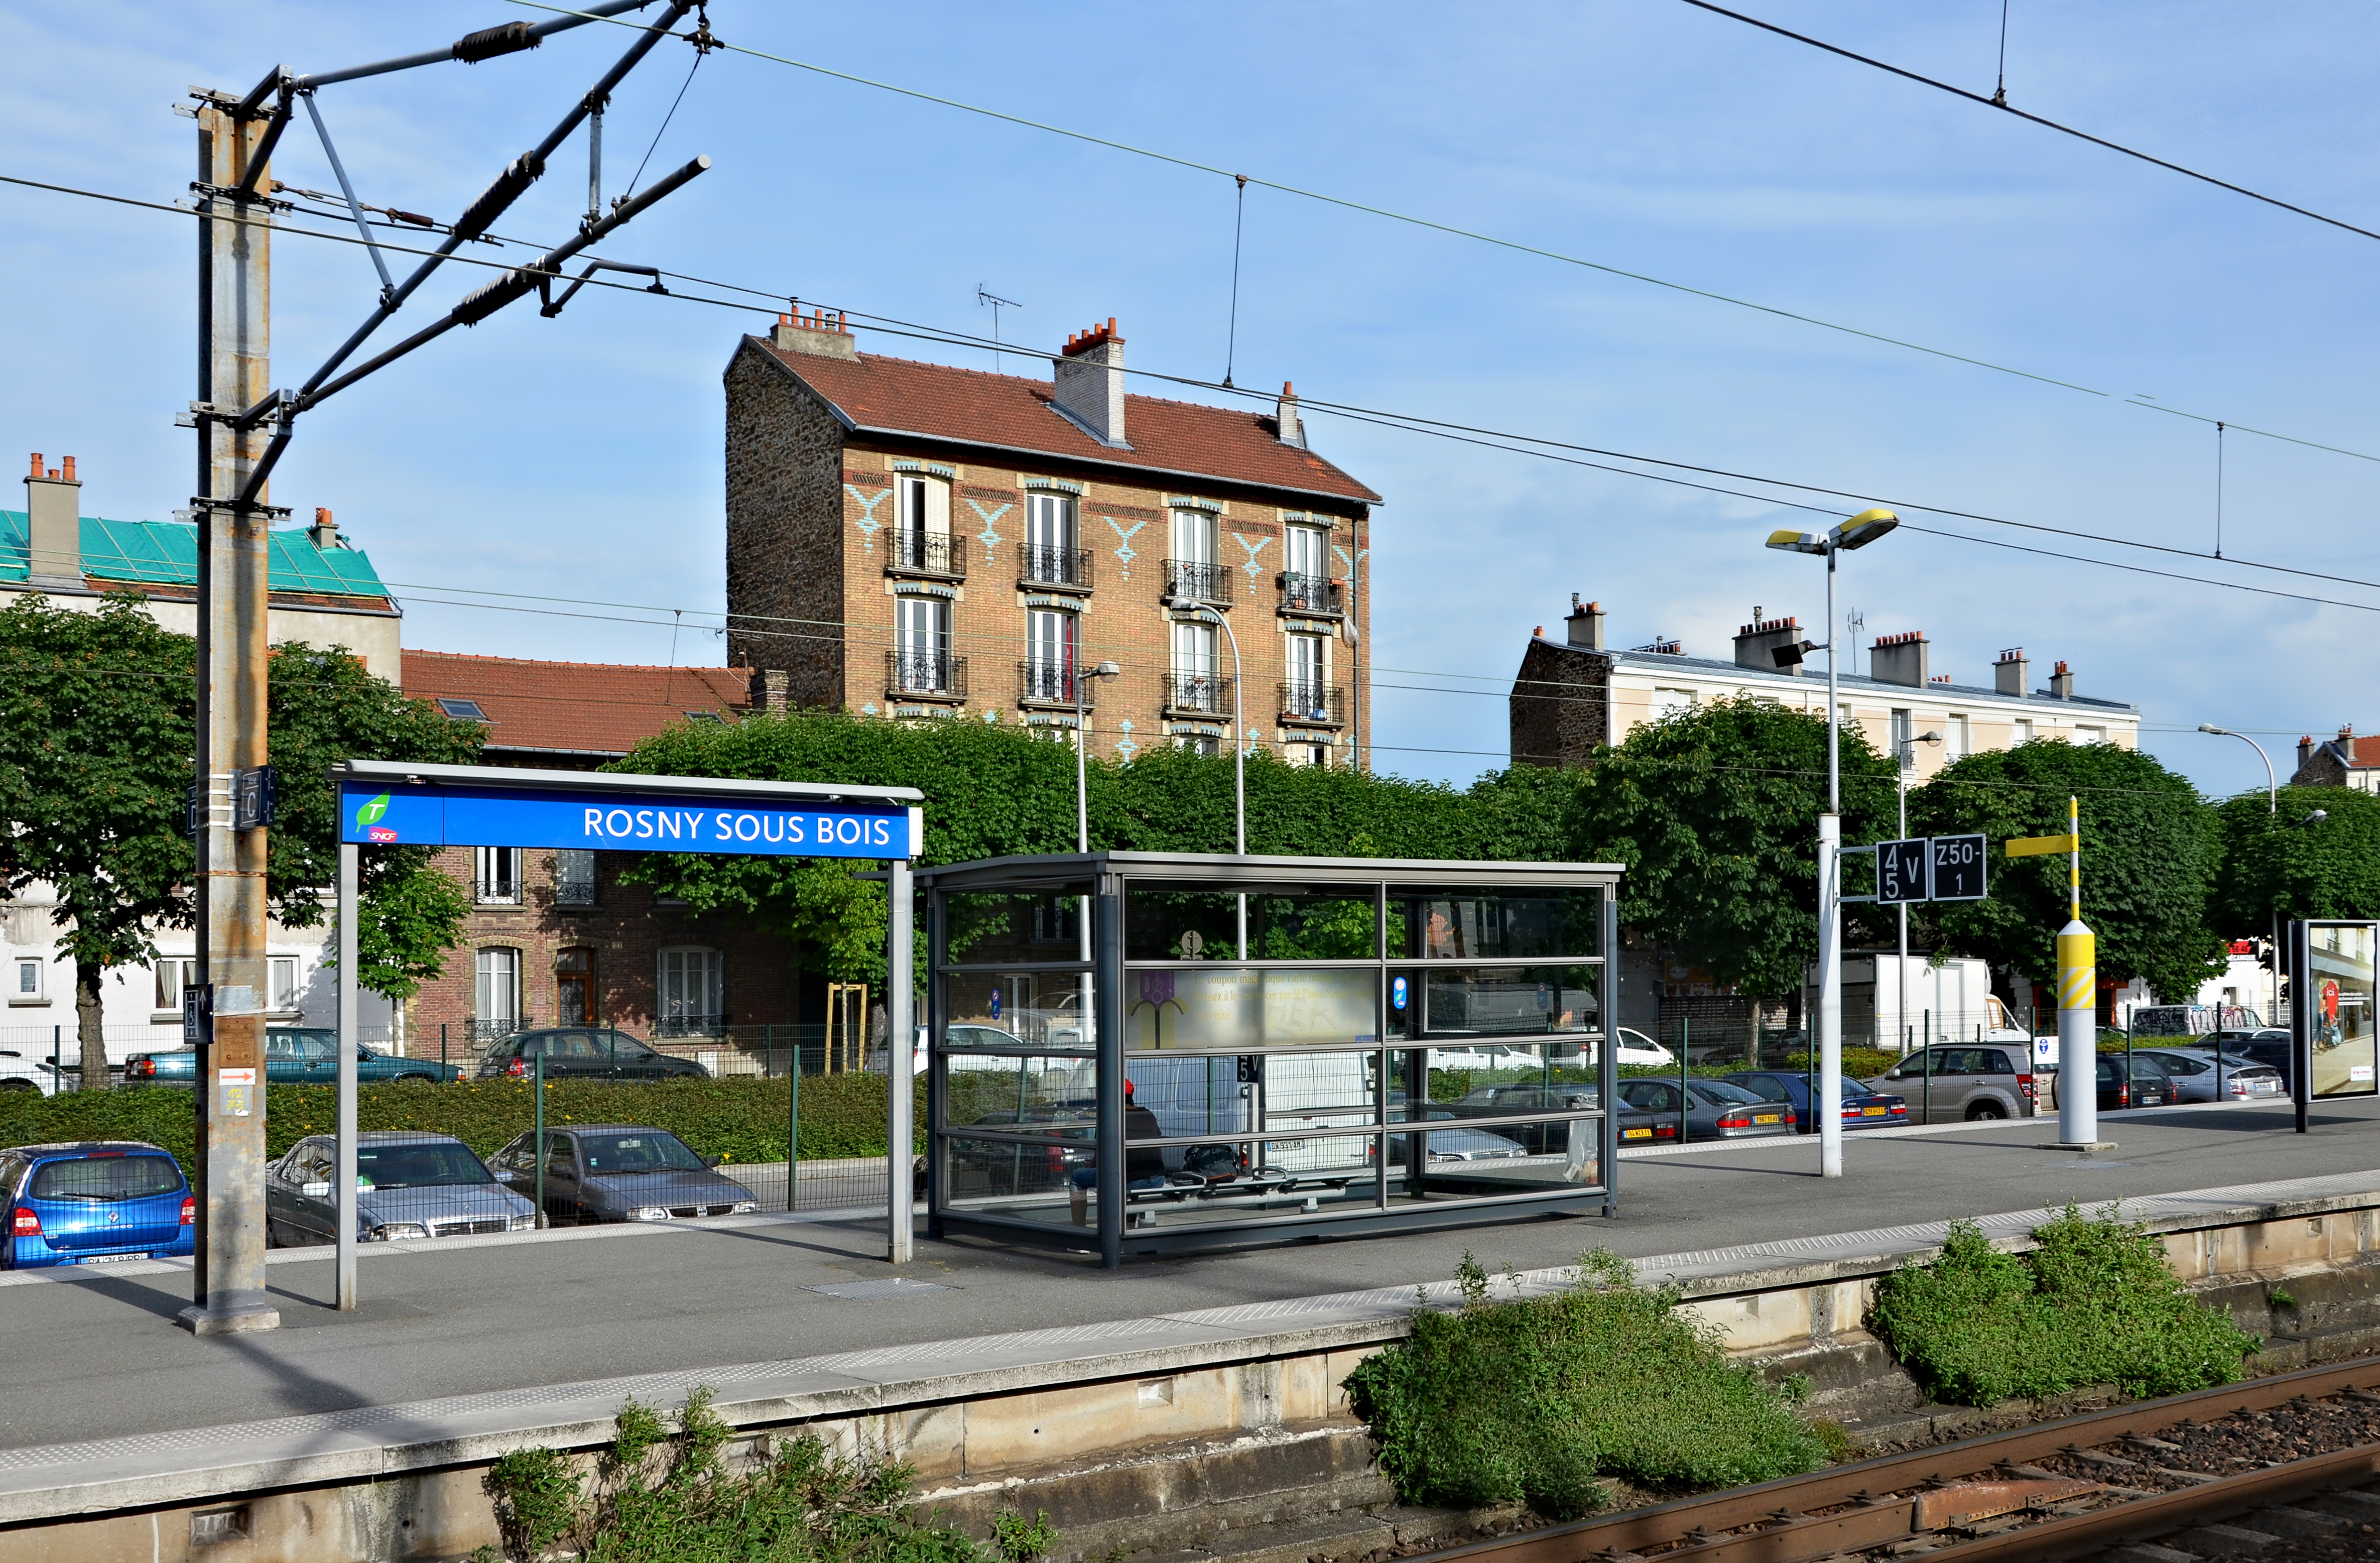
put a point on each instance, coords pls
(1453, 230)
(1998, 101)
(1538, 446)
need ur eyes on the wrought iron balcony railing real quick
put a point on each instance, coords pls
(1041, 564)
(573, 892)
(1053, 683)
(1313, 704)
(930, 675)
(1186, 579)
(1311, 594)
(927, 552)
(1200, 694)
(496, 892)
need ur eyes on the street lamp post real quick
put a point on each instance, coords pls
(2273, 809)
(1856, 532)
(1238, 751)
(1904, 754)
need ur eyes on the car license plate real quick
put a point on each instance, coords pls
(108, 1258)
(1875, 1112)
(1766, 1117)
(1635, 1134)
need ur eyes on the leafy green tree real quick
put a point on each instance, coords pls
(998, 791)
(2150, 851)
(2276, 864)
(325, 706)
(96, 740)
(1714, 813)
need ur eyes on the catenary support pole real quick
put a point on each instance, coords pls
(899, 1058)
(2078, 991)
(235, 369)
(345, 1187)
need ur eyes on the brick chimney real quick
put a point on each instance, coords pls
(1585, 624)
(771, 690)
(2305, 750)
(1899, 659)
(1756, 643)
(2061, 683)
(1090, 383)
(2012, 672)
(818, 333)
(1285, 419)
(53, 515)
(325, 535)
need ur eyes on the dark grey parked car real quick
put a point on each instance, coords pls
(620, 1172)
(585, 1053)
(407, 1185)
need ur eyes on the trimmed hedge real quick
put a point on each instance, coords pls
(739, 1119)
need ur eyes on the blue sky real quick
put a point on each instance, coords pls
(579, 458)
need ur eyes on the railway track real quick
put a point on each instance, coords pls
(2152, 1472)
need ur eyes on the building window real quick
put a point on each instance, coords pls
(495, 996)
(1200, 743)
(1957, 742)
(2089, 735)
(1196, 569)
(921, 529)
(1194, 684)
(1672, 702)
(574, 877)
(31, 983)
(496, 877)
(574, 983)
(1316, 755)
(461, 710)
(1305, 578)
(1051, 554)
(1307, 695)
(921, 657)
(174, 973)
(693, 993)
(1903, 729)
(280, 976)
(2020, 731)
(1049, 655)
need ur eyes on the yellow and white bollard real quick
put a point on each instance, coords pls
(2077, 1037)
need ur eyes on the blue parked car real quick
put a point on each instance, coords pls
(91, 1201)
(1863, 1108)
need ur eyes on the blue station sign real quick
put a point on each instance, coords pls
(373, 812)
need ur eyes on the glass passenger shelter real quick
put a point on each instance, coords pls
(1135, 1052)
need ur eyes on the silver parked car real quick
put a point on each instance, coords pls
(407, 1185)
(2191, 1070)
(1967, 1082)
(620, 1172)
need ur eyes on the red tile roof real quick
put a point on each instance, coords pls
(574, 707)
(899, 396)
(2363, 753)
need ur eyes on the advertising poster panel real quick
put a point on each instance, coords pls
(2338, 1007)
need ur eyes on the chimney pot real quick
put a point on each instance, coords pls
(814, 331)
(1087, 384)
(1755, 643)
(37, 464)
(1585, 624)
(69, 469)
(54, 525)
(2061, 682)
(2012, 673)
(1899, 659)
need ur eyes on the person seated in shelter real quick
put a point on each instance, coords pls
(1143, 1169)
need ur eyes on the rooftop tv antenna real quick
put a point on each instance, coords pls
(983, 296)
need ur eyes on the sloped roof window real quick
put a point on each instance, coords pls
(462, 710)
(712, 717)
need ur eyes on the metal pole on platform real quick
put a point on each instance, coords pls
(235, 259)
(2078, 979)
(344, 1202)
(899, 1054)
(536, 1134)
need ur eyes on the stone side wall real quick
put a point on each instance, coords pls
(786, 513)
(1559, 705)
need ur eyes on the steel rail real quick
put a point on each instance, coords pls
(1787, 1502)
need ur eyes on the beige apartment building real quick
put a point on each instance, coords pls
(1575, 695)
(918, 541)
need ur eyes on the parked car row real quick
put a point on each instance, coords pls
(99, 1201)
(310, 1056)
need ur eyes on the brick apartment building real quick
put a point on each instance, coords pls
(556, 937)
(915, 539)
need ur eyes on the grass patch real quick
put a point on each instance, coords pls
(658, 1495)
(1534, 1400)
(2095, 1304)
(742, 1119)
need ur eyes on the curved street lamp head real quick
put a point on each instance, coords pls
(2210, 727)
(1865, 528)
(2317, 817)
(1793, 542)
(1106, 670)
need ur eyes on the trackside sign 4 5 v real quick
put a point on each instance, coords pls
(611, 822)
